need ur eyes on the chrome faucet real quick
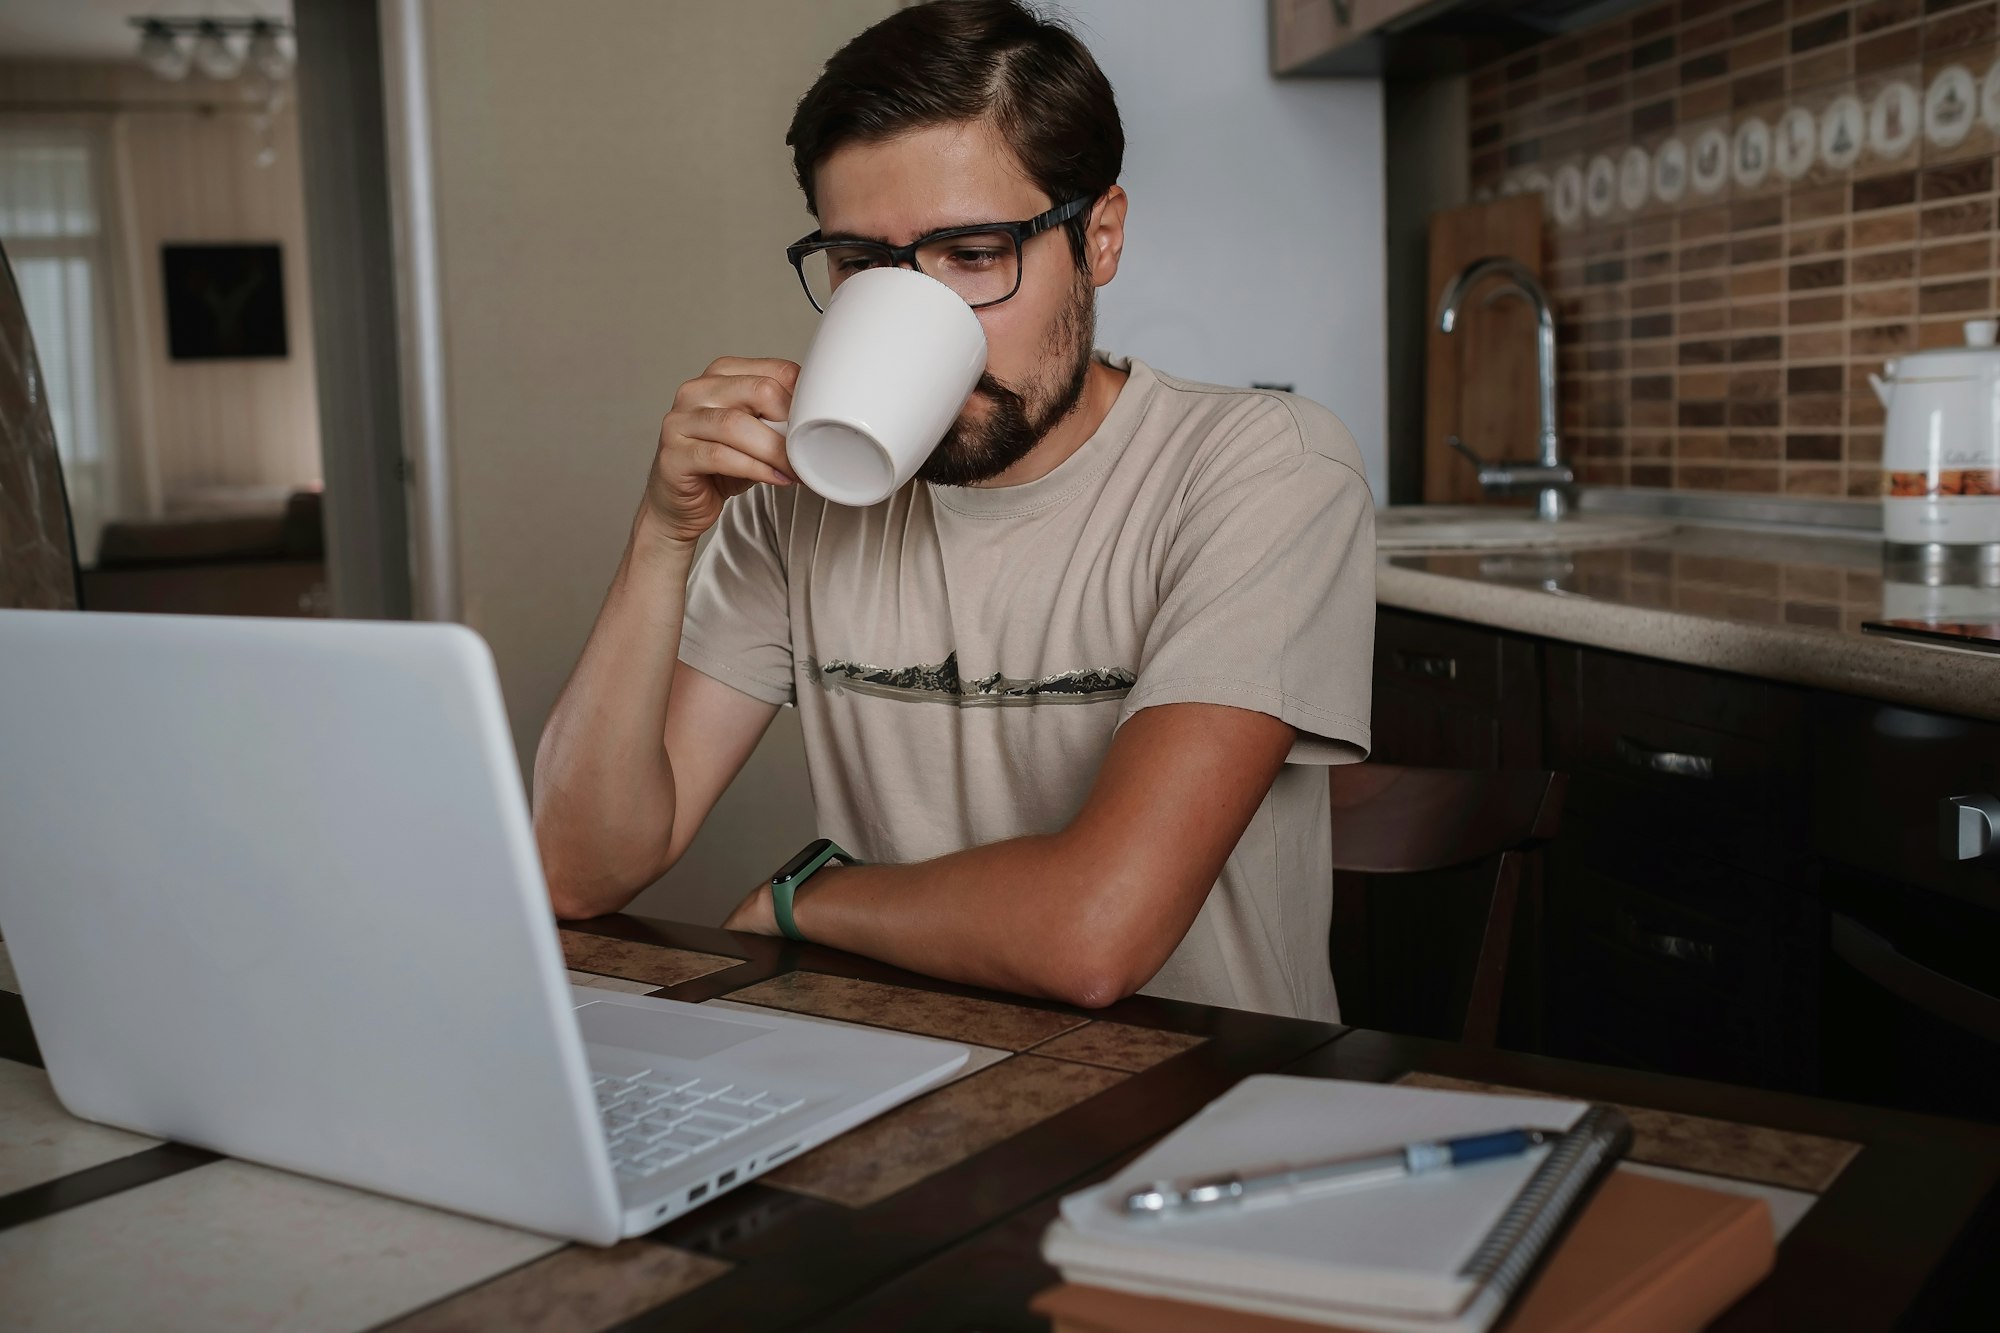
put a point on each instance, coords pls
(1548, 472)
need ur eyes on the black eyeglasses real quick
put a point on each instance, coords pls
(981, 263)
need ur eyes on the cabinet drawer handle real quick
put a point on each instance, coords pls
(1426, 664)
(1968, 827)
(1670, 762)
(1677, 948)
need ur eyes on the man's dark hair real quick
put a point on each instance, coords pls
(952, 61)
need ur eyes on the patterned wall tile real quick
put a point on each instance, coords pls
(1752, 205)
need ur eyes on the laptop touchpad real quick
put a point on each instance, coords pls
(679, 1035)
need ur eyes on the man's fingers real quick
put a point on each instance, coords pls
(785, 372)
(741, 431)
(721, 460)
(765, 396)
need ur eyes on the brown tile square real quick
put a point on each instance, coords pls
(1904, 46)
(1763, 347)
(1751, 415)
(1813, 412)
(1703, 102)
(1864, 409)
(1695, 290)
(1752, 282)
(953, 1017)
(1650, 356)
(1876, 15)
(1704, 224)
(634, 961)
(1755, 250)
(1954, 30)
(1823, 66)
(1812, 481)
(1816, 273)
(575, 1290)
(1695, 258)
(1703, 478)
(1828, 201)
(1883, 303)
(1884, 266)
(1698, 416)
(1883, 229)
(1709, 351)
(1827, 238)
(1812, 446)
(1813, 343)
(1118, 1045)
(1749, 448)
(1754, 214)
(941, 1129)
(1965, 297)
(1864, 485)
(1864, 446)
(1889, 191)
(1703, 383)
(1956, 257)
(1751, 384)
(1708, 319)
(1757, 17)
(1753, 480)
(1956, 178)
(1814, 379)
(1752, 90)
(1880, 339)
(1756, 315)
(1826, 309)
(1814, 33)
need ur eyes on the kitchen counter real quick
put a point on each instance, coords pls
(1782, 606)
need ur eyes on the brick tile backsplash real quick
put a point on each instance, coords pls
(1750, 206)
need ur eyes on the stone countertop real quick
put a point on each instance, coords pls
(1782, 606)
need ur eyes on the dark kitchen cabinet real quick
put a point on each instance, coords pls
(1748, 885)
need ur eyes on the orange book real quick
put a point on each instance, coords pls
(1645, 1256)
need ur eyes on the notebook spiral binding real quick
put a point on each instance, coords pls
(1574, 1165)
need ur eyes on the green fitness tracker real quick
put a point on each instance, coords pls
(796, 872)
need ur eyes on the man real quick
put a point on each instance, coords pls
(1069, 695)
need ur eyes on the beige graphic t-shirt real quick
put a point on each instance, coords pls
(961, 657)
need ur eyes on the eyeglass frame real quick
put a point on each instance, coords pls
(900, 255)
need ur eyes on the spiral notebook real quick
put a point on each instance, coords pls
(1443, 1252)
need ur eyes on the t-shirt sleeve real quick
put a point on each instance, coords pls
(738, 624)
(1268, 596)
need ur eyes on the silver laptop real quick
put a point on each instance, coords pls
(271, 889)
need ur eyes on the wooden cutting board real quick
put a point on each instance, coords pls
(1479, 381)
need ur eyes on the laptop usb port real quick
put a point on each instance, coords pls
(698, 1192)
(725, 1180)
(790, 1147)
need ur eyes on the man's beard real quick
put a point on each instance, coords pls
(973, 451)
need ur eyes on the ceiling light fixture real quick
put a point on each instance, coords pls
(160, 52)
(221, 48)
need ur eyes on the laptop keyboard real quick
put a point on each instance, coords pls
(656, 1120)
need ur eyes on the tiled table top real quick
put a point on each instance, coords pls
(101, 1229)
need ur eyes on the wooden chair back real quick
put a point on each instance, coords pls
(1390, 820)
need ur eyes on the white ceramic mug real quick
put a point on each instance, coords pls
(893, 361)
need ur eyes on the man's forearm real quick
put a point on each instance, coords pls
(1029, 915)
(604, 789)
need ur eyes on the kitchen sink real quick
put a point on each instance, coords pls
(1481, 527)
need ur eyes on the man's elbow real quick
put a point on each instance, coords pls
(1096, 989)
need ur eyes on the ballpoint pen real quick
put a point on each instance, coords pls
(1162, 1197)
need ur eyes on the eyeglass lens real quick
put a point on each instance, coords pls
(982, 268)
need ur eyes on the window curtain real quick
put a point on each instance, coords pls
(54, 219)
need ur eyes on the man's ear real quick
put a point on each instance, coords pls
(1104, 239)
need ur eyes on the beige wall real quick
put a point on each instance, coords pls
(183, 168)
(614, 198)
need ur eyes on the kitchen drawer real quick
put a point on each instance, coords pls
(1682, 761)
(1880, 773)
(1441, 657)
(1713, 700)
(1639, 846)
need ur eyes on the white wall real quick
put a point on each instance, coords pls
(614, 198)
(1255, 247)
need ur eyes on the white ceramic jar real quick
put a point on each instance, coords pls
(1941, 443)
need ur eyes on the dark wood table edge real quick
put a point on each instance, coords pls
(1895, 1241)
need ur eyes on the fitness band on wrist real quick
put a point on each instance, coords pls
(796, 872)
